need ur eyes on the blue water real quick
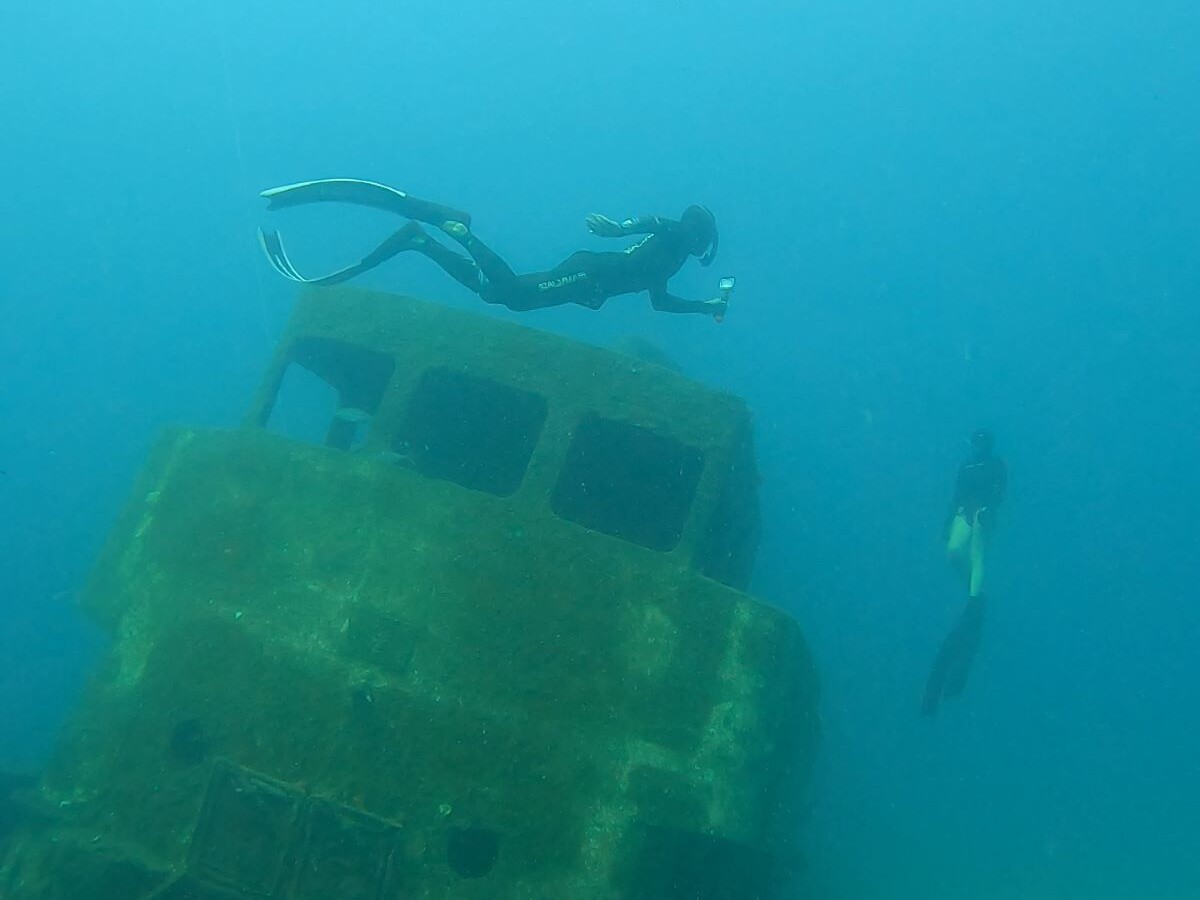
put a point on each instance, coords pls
(941, 215)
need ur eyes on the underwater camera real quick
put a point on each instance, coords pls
(725, 286)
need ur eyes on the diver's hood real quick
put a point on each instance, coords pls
(711, 253)
(700, 222)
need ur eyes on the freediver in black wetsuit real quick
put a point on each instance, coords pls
(585, 278)
(978, 492)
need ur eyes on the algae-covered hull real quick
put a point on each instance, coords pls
(346, 673)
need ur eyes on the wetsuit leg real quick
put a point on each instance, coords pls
(461, 268)
(405, 238)
(496, 271)
(542, 290)
(975, 555)
(413, 237)
(570, 282)
(523, 295)
(577, 279)
(958, 545)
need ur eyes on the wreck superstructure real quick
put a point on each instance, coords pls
(489, 639)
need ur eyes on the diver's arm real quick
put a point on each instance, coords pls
(646, 225)
(663, 301)
(606, 227)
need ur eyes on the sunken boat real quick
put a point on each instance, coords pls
(459, 612)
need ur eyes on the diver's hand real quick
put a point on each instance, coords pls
(603, 226)
(717, 307)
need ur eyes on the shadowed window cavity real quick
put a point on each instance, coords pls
(330, 392)
(629, 482)
(470, 430)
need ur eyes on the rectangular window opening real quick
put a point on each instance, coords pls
(470, 430)
(629, 482)
(330, 393)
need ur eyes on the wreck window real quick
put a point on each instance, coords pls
(471, 430)
(628, 481)
(330, 392)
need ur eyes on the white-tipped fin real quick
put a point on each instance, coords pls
(335, 190)
(272, 246)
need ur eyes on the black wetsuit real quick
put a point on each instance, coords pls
(585, 278)
(589, 278)
(980, 486)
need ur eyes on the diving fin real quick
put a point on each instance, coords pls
(969, 631)
(272, 245)
(408, 237)
(952, 666)
(363, 193)
(937, 678)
